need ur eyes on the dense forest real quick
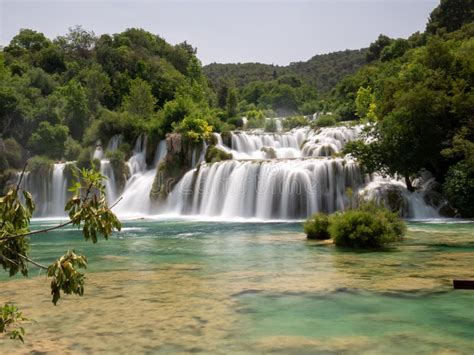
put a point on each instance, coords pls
(322, 71)
(59, 97)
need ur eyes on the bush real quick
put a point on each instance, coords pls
(12, 153)
(255, 119)
(368, 226)
(237, 122)
(112, 123)
(459, 188)
(40, 166)
(271, 125)
(84, 161)
(295, 121)
(324, 121)
(72, 149)
(317, 227)
(194, 128)
(49, 140)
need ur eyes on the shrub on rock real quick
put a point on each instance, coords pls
(317, 227)
(368, 226)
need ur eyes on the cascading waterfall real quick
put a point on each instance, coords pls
(285, 189)
(286, 175)
(49, 191)
(109, 182)
(135, 197)
(59, 190)
(160, 153)
(257, 145)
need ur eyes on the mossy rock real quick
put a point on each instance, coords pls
(119, 167)
(270, 153)
(395, 201)
(215, 155)
(227, 139)
(40, 166)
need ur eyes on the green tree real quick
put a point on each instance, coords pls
(97, 85)
(49, 140)
(76, 111)
(451, 15)
(231, 102)
(78, 42)
(27, 40)
(376, 48)
(365, 104)
(140, 100)
(8, 109)
(394, 50)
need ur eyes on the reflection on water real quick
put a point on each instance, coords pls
(234, 287)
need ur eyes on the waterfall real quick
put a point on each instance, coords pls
(286, 189)
(283, 175)
(49, 190)
(136, 194)
(58, 191)
(114, 142)
(109, 182)
(137, 163)
(160, 153)
(287, 176)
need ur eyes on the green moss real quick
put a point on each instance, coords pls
(214, 155)
(119, 167)
(168, 173)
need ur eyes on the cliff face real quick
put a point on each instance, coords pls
(181, 156)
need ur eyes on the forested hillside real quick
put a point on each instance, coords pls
(321, 72)
(59, 97)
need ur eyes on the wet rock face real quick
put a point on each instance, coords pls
(395, 201)
(438, 201)
(227, 139)
(174, 143)
(178, 160)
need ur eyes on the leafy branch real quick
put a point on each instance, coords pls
(87, 209)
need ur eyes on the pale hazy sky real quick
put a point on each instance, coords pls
(229, 31)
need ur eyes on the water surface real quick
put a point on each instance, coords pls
(214, 287)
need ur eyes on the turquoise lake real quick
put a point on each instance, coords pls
(215, 287)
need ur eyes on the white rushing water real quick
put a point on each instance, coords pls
(49, 191)
(287, 189)
(286, 176)
(272, 176)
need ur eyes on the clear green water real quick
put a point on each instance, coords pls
(257, 288)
